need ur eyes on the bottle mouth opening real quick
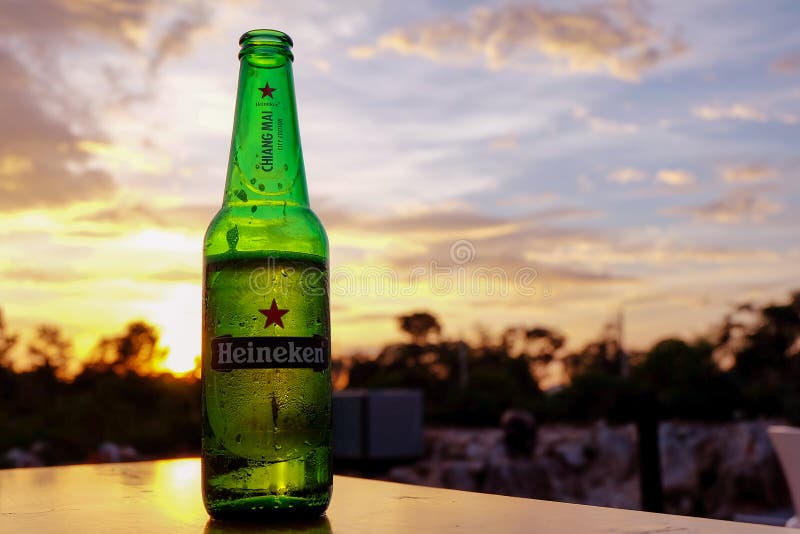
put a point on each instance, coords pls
(265, 42)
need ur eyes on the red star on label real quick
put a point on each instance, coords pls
(266, 90)
(274, 315)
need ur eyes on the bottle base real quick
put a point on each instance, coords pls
(319, 525)
(268, 507)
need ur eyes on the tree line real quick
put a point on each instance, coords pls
(747, 367)
(116, 395)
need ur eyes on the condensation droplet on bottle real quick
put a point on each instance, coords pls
(260, 187)
(238, 438)
(278, 446)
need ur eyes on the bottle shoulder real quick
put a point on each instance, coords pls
(265, 230)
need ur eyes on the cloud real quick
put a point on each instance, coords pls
(675, 177)
(746, 173)
(571, 252)
(603, 125)
(42, 162)
(180, 34)
(177, 275)
(742, 112)
(40, 276)
(122, 20)
(444, 220)
(789, 64)
(742, 205)
(128, 217)
(129, 22)
(504, 143)
(626, 175)
(54, 150)
(611, 37)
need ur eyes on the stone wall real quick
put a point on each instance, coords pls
(712, 470)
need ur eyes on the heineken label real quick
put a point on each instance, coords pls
(270, 353)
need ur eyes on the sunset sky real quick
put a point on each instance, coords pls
(640, 156)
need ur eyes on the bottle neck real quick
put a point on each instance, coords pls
(266, 161)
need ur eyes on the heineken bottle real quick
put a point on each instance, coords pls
(266, 385)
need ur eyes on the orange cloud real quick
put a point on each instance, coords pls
(742, 112)
(42, 161)
(746, 173)
(675, 177)
(603, 125)
(627, 175)
(789, 64)
(743, 205)
(611, 37)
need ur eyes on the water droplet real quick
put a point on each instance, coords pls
(238, 438)
(285, 166)
(280, 185)
(233, 237)
(278, 446)
(241, 324)
(306, 442)
(260, 187)
(253, 181)
(254, 208)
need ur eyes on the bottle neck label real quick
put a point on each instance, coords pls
(266, 159)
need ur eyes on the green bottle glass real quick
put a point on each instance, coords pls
(266, 385)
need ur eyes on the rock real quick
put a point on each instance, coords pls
(110, 452)
(718, 470)
(461, 475)
(407, 475)
(708, 469)
(572, 454)
(519, 430)
(21, 458)
(518, 478)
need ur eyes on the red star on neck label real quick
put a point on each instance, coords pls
(274, 315)
(266, 90)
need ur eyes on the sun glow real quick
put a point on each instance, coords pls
(178, 317)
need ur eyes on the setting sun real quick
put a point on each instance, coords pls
(178, 316)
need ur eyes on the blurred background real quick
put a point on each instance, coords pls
(571, 227)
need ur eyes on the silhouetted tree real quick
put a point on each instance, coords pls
(137, 350)
(596, 357)
(540, 346)
(765, 358)
(50, 351)
(420, 326)
(685, 382)
(7, 343)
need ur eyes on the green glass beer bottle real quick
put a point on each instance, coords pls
(266, 385)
